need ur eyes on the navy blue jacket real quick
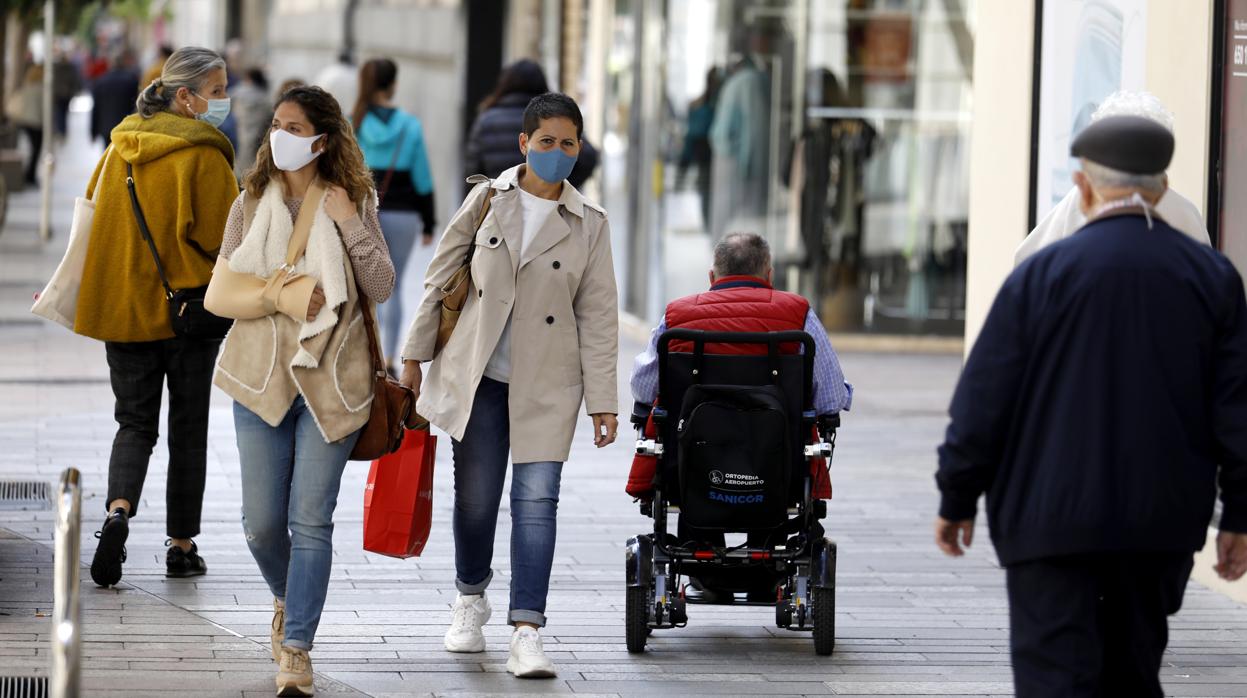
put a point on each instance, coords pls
(1105, 391)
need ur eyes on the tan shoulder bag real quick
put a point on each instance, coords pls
(455, 290)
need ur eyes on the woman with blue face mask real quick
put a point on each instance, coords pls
(182, 168)
(536, 339)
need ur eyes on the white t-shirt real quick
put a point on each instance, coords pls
(1066, 218)
(534, 212)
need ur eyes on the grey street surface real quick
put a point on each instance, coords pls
(910, 622)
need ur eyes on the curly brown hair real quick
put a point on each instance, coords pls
(341, 163)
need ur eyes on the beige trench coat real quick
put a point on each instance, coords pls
(565, 330)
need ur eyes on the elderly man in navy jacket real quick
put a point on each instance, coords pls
(1104, 402)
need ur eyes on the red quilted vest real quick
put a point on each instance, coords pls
(737, 304)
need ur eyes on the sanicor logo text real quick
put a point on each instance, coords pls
(736, 498)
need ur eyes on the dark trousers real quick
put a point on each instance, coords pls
(138, 371)
(35, 135)
(1093, 625)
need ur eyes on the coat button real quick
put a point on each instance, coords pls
(556, 265)
(493, 241)
(549, 319)
(480, 293)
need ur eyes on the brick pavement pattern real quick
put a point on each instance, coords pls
(910, 622)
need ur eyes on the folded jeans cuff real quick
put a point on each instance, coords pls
(522, 616)
(477, 588)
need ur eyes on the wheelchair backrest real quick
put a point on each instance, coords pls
(791, 373)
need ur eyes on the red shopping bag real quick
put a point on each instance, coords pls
(398, 499)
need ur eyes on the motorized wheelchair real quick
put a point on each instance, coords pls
(734, 435)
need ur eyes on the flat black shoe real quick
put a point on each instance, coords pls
(180, 564)
(110, 552)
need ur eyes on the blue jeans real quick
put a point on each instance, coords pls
(400, 229)
(480, 469)
(290, 481)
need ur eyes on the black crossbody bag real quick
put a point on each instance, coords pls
(187, 315)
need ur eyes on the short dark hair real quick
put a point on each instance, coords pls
(552, 105)
(742, 254)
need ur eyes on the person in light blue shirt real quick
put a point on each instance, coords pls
(741, 262)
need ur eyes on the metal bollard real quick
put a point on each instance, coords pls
(67, 607)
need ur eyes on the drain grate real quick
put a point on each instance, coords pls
(25, 494)
(23, 687)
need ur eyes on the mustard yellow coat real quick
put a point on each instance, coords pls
(183, 170)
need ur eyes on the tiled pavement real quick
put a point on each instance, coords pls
(910, 621)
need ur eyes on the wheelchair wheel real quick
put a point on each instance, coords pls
(636, 619)
(824, 602)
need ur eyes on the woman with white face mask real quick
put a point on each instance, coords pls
(301, 374)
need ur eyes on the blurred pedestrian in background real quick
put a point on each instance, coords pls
(1101, 406)
(113, 95)
(740, 138)
(393, 145)
(697, 153)
(341, 79)
(157, 67)
(287, 85)
(25, 108)
(183, 174)
(491, 147)
(253, 108)
(66, 84)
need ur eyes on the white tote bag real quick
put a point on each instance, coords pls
(59, 300)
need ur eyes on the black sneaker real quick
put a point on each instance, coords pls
(110, 552)
(184, 563)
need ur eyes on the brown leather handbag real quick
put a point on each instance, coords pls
(455, 290)
(393, 404)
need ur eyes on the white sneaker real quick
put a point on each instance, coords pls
(528, 660)
(469, 615)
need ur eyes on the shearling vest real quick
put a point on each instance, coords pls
(257, 367)
(737, 304)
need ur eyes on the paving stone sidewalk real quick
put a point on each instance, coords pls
(910, 622)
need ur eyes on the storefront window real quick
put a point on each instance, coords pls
(838, 129)
(888, 111)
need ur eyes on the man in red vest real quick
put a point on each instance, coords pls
(740, 299)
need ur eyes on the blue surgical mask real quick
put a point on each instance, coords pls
(552, 166)
(218, 110)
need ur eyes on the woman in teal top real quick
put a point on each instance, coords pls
(393, 145)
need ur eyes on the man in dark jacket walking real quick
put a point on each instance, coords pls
(1103, 403)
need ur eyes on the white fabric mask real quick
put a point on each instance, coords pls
(291, 152)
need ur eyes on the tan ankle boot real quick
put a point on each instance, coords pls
(278, 632)
(294, 675)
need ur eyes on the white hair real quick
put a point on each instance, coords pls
(1131, 103)
(1103, 177)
